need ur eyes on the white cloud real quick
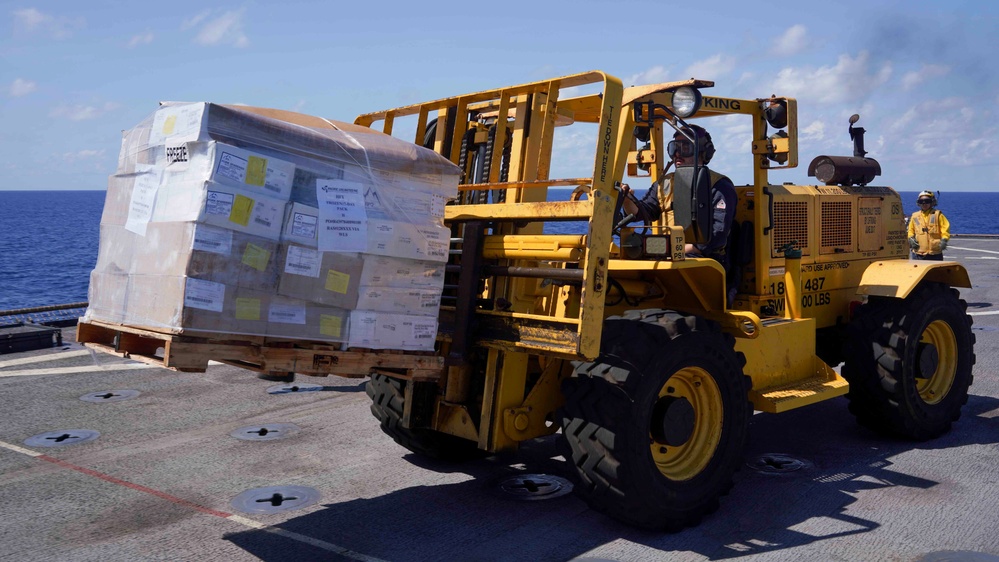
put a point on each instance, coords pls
(81, 112)
(141, 39)
(30, 20)
(83, 155)
(226, 29)
(927, 72)
(711, 68)
(959, 136)
(653, 75)
(792, 42)
(815, 131)
(194, 20)
(851, 80)
(21, 87)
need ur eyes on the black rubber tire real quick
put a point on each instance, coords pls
(387, 401)
(883, 361)
(609, 407)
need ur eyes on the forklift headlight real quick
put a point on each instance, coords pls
(686, 101)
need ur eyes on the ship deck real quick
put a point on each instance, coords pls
(158, 477)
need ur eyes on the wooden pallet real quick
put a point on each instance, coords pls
(189, 353)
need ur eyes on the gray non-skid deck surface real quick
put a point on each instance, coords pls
(158, 482)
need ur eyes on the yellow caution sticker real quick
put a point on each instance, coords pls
(256, 257)
(241, 210)
(247, 309)
(169, 124)
(330, 325)
(337, 282)
(256, 171)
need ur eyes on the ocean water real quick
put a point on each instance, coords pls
(48, 239)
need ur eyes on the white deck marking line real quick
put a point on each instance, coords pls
(41, 358)
(972, 249)
(21, 450)
(345, 552)
(76, 370)
(984, 313)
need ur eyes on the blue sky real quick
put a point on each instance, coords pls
(923, 75)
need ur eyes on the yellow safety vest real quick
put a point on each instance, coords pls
(926, 229)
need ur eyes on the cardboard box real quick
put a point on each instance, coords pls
(225, 164)
(400, 205)
(201, 251)
(107, 297)
(385, 271)
(417, 302)
(298, 319)
(328, 278)
(410, 241)
(219, 205)
(301, 225)
(385, 330)
(175, 304)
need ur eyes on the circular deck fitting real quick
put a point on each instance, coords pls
(275, 499)
(62, 438)
(110, 396)
(266, 431)
(531, 487)
(292, 388)
(777, 463)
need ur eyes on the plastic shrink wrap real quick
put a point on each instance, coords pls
(250, 221)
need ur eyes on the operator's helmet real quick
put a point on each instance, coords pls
(704, 145)
(926, 194)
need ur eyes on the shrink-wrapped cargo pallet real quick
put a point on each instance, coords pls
(246, 221)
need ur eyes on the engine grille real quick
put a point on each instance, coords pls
(837, 225)
(790, 225)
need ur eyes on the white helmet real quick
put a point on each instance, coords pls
(927, 194)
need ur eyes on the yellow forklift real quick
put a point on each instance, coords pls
(558, 314)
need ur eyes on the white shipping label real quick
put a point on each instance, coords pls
(177, 123)
(286, 313)
(424, 330)
(304, 225)
(302, 261)
(343, 223)
(362, 326)
(232, 166)
(206, 295)
(140, 209)
(219, 203)
(212, 239)
(267, 216)
(437, 206)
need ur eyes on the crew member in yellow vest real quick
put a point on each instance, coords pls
(929, 229)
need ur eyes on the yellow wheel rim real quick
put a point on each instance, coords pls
(934, 386)
(686, 460)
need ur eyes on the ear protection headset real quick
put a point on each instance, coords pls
(704, 144)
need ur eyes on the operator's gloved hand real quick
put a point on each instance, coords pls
(943, 244)
(913, 243)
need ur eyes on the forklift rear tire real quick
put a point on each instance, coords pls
(909, 362)
(657, 426)
(387, 401)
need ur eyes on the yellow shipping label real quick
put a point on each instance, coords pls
(256, 171)
(169, 124)
(241, 210)
(330, 325)
(256, 257)
(337, 282)
(247, 309)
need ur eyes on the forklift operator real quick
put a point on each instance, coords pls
(723, 197)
